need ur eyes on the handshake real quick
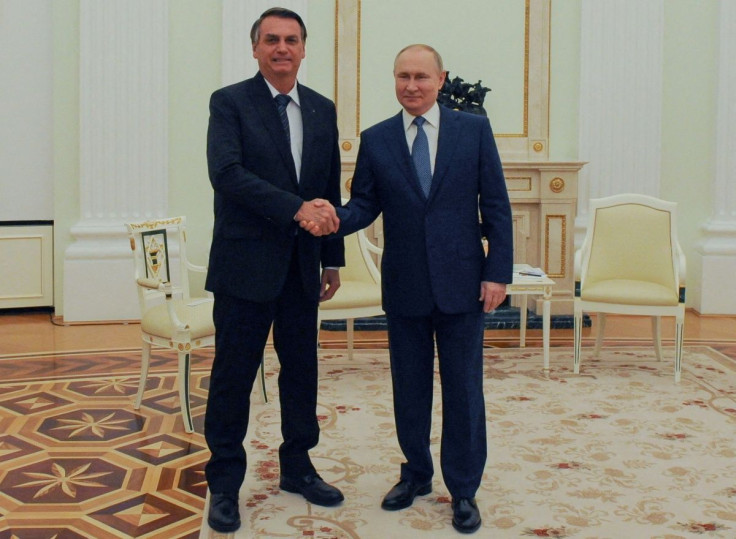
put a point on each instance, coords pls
(318, 217)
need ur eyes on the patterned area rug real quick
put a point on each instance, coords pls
(618, 451)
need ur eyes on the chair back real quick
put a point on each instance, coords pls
(359, 263)
(631, 238)
(159, 253)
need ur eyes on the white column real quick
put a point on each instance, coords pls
(716, 291)
(123, 151)
(620, 100)
(237, 53)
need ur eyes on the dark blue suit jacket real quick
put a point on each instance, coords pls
(433, 256)
(257, 195)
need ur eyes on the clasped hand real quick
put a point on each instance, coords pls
(318, 217)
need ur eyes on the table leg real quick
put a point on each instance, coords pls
(522, 321)
(545, 331)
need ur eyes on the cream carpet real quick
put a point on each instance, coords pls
(618, 451)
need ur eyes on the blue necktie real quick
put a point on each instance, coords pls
(420, 155)
(282, 101)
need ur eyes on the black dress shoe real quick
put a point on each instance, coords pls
(465, 515)
(224, 516)
(313, 488)
(403, 493)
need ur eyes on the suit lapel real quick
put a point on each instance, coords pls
(266, 108)
(395, 138)
(449, 136)
(310, 128)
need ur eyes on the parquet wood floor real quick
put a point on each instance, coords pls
(77, 461)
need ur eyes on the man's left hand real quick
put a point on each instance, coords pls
(491, 294)
(330, 284)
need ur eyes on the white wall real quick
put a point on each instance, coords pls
(26, 143)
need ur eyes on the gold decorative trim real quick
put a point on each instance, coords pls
(357, 68)
(527, 179)
(336, 81)
(527, 16)
(150, 225)
(538, 147)
(557, 185)
(347, 146)
(349, 183)
(337, 49)
(563, 245)
(525, 121)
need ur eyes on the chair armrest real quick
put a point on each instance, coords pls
(196, 267)
(151, 284)
(154, 284)
(578, 264)
(168, 291)
(373, 248)
(681, 265)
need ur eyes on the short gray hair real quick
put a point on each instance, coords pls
(437, 57)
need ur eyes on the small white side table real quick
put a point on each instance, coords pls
(527, 285)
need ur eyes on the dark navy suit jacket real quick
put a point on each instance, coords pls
(433, 256)
(257, 195)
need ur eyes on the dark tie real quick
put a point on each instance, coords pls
(282, 101)
(420, 155)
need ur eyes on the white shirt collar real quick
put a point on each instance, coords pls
(293, 93)
(432, 116)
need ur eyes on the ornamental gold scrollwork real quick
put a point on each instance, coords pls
(150, 225)
(349, 183)
(347, 146)
(557, 185)
(538, 147)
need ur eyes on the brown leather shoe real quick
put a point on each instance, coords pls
(313, 488)
(403, 493)
(465, 515)
(224, 515)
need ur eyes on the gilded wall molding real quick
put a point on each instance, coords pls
(531, 143)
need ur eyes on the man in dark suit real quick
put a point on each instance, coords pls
(437, 280)
(272, 160)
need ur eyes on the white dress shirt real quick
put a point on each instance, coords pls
(296, 130)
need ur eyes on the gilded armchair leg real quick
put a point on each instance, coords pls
(186, 410)
(145, 362)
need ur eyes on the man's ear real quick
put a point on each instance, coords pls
(443, 76)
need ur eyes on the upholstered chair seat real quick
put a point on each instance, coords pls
(630, 292)
(197, 316)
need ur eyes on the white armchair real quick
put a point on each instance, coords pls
(170, 317)
(631, 263)
(359, 294)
